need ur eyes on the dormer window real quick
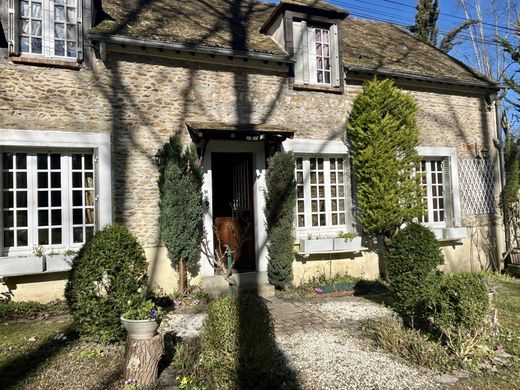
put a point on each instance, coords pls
(316, 53)
(48, 28)
(322, 46)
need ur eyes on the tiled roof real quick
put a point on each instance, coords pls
(211, 23)
(224, 24)
(383, 46)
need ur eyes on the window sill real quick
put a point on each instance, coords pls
(32, 265)
(317, 88)
(48, 62)
(450, 234)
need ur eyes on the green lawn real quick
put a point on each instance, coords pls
(508, 304)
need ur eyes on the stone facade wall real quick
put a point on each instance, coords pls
(141, 101)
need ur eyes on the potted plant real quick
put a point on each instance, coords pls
(142, 320)
(39, 251)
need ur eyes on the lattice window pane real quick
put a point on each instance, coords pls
(477, 186)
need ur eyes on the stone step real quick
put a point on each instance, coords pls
(248, 282)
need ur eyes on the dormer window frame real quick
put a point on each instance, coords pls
(307, 53)
(290, 16)
(300, 30)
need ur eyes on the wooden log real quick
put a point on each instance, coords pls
(142, 360)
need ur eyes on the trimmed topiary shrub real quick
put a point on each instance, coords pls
(383, 134)
(412, 258)
(279, 214)
(180, 185)
(460, 310)
(107, 273)
(238, 343)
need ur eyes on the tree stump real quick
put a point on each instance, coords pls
(142, 359)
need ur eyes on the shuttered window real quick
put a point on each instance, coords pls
(317, 54)
(48, 28)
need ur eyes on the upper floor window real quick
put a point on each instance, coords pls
(317, 54)
(322, 46)
(49, 28)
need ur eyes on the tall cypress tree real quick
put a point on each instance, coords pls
(425, 27)
(279, 214)
(181, 224)
(383, 135)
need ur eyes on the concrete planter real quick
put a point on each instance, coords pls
(345, 244)
(455, 233)
(317, 245)
(439, 233)
(140, 329)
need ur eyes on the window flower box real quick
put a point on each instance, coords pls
(455, 233)
(317, 245)
(347, 244)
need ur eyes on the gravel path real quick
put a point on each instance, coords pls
(337, 355)
(321, 341)
(335, 360)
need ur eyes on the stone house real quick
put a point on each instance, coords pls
(90, 90)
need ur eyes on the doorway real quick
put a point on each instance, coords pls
(233, 211)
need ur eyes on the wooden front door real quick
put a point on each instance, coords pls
(233, 214)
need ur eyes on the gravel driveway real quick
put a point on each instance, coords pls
(321, 341)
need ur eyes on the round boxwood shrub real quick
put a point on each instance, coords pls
(461, 304)
(107, 274)
(412, 257)
(238, 342)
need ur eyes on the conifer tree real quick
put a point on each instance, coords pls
(180, 220)
(279, 214)
(383, 135)
(425, 27)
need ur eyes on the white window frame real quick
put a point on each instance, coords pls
(452, 199)
(305, 68)
(47, 30)
(66, 204)
(99, 143)
(321, 149)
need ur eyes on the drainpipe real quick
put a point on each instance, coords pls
(499, 144)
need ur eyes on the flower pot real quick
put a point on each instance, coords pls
(318, 245)
(140, 329)
(346, 244)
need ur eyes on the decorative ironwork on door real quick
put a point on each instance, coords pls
(240, 173)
